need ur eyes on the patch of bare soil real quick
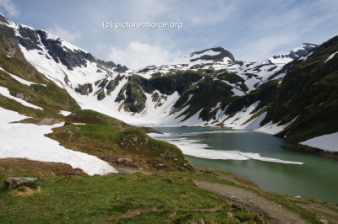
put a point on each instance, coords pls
(40, 121)
(25, 191)
(271, 211)
(25, 167)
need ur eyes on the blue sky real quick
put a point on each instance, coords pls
(251, 30)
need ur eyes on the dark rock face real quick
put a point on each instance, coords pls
(206, 96)
(30, 39)
(120, 68)
(265, 94)
(133, 92)
(178, 82)
(112, 84)
(66, 56)
(84, 89)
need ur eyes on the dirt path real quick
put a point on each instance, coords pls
(269, 210)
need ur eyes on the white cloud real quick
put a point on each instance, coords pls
(138, 55)
(265, 47)
(66, 35)
(10, 7)
(211, 14)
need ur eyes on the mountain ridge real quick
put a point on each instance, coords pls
(207, 87)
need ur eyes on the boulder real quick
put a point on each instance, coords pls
(123, 160)
(14, 182)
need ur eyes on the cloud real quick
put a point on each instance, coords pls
(278, 28)
(66, 35)
(263, 48)
(207, 14)
(138, 55)
(10, 7)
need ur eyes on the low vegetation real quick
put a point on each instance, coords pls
(118, 143)
(162, 197)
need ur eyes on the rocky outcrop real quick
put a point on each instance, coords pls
(14, 182)
(84, 89)
(170, 83)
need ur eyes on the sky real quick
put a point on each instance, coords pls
(250, 30)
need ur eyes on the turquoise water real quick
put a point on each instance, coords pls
(317, 177)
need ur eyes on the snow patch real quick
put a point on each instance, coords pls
(65, 113)
(331, 56)
(325, 142)
(28, 141)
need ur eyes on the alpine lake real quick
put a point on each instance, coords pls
(273, 168)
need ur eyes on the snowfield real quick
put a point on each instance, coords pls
(28, 141)
(326, 142)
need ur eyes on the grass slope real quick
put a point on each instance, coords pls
(309, 93)
(143, 198)
(118, 143)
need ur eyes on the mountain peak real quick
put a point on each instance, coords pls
(303, 50)
(42, 44)
(212, 54)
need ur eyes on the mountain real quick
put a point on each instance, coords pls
(301, 51)
(39, 75)
(48, 86)
(280, 95)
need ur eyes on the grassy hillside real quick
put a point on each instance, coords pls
(118, 143)
(309, 95)
(153, 198)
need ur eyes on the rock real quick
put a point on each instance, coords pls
(14, 182)
(123, 160)
(161, 166)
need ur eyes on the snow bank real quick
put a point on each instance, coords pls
(325, 142)
(19, 140)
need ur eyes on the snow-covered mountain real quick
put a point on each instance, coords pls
(299, 52)
(153, 95)
(207, 87)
